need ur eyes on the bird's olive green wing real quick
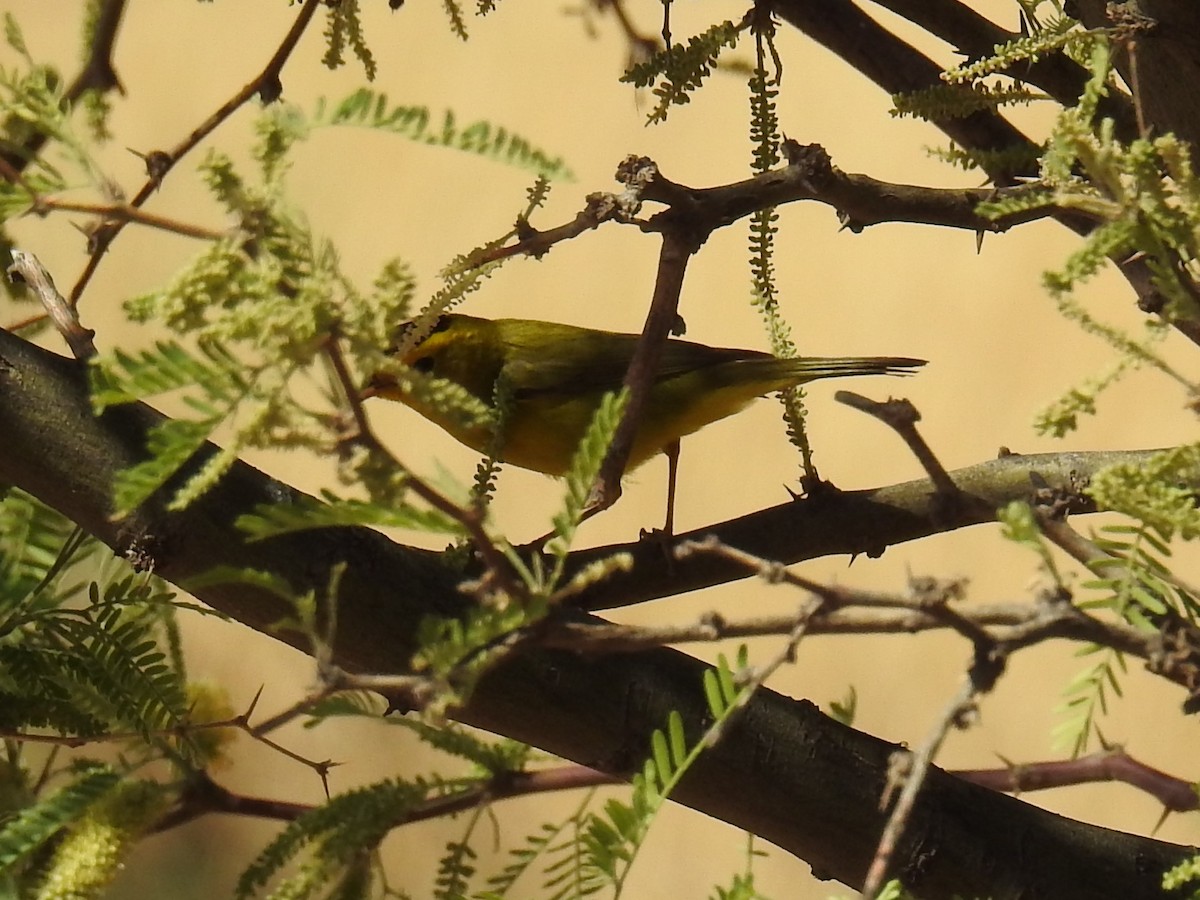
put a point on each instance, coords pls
(575, 360)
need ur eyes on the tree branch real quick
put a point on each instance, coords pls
(976, 36)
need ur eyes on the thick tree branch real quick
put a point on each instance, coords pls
(897, 67)
(847, 522)
(859, 199)
(976, 36)
(1160, 58)
(1165, 64)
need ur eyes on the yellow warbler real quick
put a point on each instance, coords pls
(554, 376)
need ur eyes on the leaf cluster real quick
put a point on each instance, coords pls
(681, 69)
(82, 658)
(1142, 200)
(1133, 582)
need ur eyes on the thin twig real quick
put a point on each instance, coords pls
(902, 417)
(912, 768)
(26, 267)
(123, 212)
(677, 249)
(1175, 794)
(266, 84)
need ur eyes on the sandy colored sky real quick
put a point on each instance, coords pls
(998, 352)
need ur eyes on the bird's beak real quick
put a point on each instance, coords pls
(376, 385)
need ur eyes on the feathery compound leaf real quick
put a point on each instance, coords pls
(368, 109)
(522, 858)
(1085, 701)
(956, 101)
(34, 825)
(335, 834)
(116, 670)
(343, 26)
(125, 378)
(492, 757)
(455, 868)
(585, 466)
(682, 68)
(1029, 47)
(32, 540)
(1021, 158)
(171, 443)
(304, 513)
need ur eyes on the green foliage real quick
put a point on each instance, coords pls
(1181, 876)
(1020, 526)
(1086, 698)
(343, 26)
(77, 657)
(37, 823)
(31, 98)
(1019, 158)
(455, 868)
(764, 133)
(1142, 198)
(490, 757)
(487, 472)
(611, 841)
(93, 851)
(1131, 581)
(116, 670)
(1134, 583)
(1157, 492)
(1053, 37)
(261, 309)
(957, 101)
(585, 467)
(743, 885)
(34, 545)
(303, 513)
(683, 68)
(965, 93)
(333, 837)
(369, 109)
(560, 845)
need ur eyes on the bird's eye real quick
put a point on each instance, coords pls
(424, 364)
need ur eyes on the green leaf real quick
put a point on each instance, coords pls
(34, 825)
(369, 109)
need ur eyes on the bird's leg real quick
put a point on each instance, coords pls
(672, 452)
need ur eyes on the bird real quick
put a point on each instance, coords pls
(553, 377)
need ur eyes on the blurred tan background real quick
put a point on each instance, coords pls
(997, 349)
